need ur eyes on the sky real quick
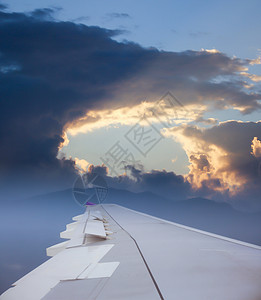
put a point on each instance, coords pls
(155, 93)
(161, 98)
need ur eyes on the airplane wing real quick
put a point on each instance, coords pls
(114, 253)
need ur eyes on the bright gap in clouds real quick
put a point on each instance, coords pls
(91, 146)
(93, 135)
(88, 139)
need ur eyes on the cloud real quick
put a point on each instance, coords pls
(256, 147)
(253, 77)
(220, 156)
(101, 170)
(81, 19)
(210, 50)
(166, 184)
(256, 61)
(50, 93)
(154, 113)
(208, 121)
(160, 182)
(57, 74)
(81, 164)
(44, 14)
(3, 6)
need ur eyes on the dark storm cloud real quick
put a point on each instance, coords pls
(52, 73)
(160, 182)
(101, 170)
(167, 184)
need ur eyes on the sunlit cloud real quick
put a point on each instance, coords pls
(256, 61)
(155, 113)
(256, 147)
(253, 77)
(210, 50)
(220, 164)
(207, 161)
(81, 164)
(208, 121)
(248, 85)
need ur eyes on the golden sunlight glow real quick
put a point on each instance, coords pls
(131, 115)
(210, 50)
(81, 164)
(256, 61)
(209, 164)
(248, 86)
(253, 77)
(256, 147)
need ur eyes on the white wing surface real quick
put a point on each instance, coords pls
(113, 253)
